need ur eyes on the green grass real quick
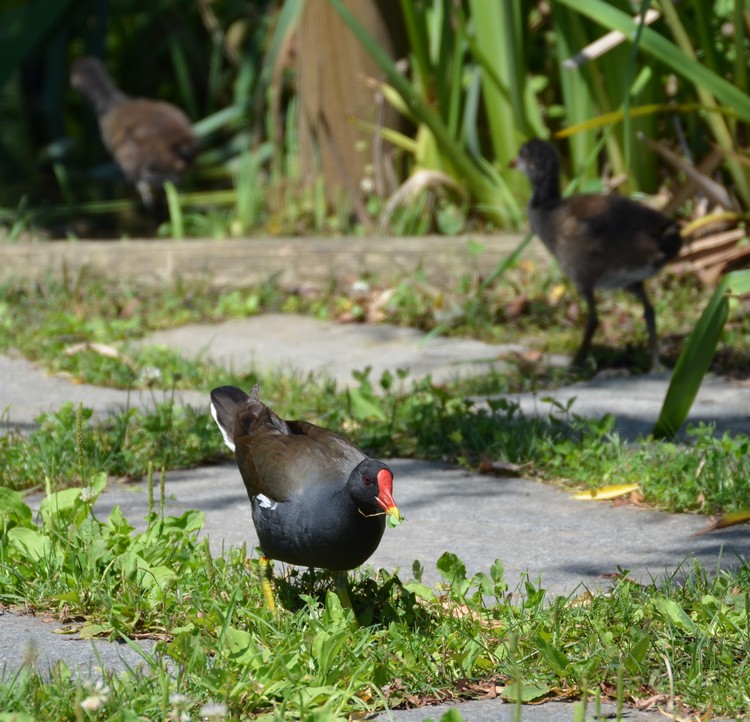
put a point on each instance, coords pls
(312, 661)
(219, 645)
(49, 320)
(390, 418)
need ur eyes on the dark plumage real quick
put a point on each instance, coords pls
(316, 499)
(600, 241)
(152, 141)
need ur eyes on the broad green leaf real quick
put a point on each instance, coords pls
(555, 658)
(363, 408)
(91, 630)
(452, 715)
(242, 648)
(13, 508)
(189, 522)
(676, 615)
(633, 660)
(326, 647)
(421, 591)
(59, 502)
(32, 544)
(452, 568)
(525, 692)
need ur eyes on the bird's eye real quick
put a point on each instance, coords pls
(368, 480)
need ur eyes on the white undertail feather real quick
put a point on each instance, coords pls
(228, 440)
(265, 502)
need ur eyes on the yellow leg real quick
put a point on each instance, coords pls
(342, 591)
(266, 582)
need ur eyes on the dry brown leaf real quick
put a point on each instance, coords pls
(633, 499)
(478, 689)
(652, 701)
(459, 611)
(582, 600)
(501, 467)
(556, 693)
(517, 307)
(101, 348)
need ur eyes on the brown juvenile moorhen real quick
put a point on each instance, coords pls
(600, 241)
(317, 500)
(152, 141)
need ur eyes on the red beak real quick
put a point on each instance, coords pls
(385, 494)
(387, 504)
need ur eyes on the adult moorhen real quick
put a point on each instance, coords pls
(316, 499)
(152, 141)
(600, 241)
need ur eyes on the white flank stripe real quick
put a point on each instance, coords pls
(227, 439)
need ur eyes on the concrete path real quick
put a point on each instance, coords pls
(287, 343)
(26, 391)
(635, 402)
(533, 528)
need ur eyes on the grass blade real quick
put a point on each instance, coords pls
(485, 184)
(177, 225)
(667, 52)
(697, 355)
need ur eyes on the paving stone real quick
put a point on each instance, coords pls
(536, 530)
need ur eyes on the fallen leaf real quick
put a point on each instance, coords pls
(481, 689)
(517, 307)
(582, 600)
(605, 493)
(727, 520)
(501, 467)
(536, 694)
(652, 701)
(635, 498)
(556, 293)
(619, 576)
(525, 693)
(101, 348)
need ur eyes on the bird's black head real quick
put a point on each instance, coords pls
(371, 487)
(539, 160)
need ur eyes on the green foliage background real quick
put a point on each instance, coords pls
(482, 77)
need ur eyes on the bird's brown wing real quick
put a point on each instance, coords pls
(277, 457)
(618, 230)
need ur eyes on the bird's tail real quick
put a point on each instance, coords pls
(226, 402)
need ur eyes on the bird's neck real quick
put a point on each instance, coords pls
(103, 94)
(546, 191)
